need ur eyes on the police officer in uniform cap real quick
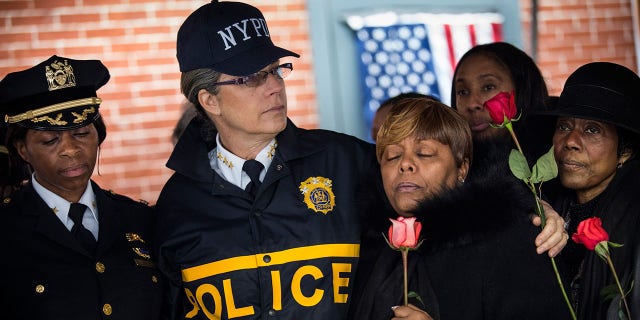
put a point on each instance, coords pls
(71, 249)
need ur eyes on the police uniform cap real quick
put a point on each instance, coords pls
(57, 94)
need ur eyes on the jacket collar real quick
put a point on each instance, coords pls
(50, 226)
(293, 143)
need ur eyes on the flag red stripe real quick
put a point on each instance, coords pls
(452, 55)
(497, 31)
(472, 35)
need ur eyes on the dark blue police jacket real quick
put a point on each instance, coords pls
(291, 253)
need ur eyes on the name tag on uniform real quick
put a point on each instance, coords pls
(144, 263)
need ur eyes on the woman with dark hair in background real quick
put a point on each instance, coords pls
(483, 72)
(488, 69)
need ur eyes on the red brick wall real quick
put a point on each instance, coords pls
(136, 41)
(572, 33)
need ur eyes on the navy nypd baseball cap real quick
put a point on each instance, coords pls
(228, 37)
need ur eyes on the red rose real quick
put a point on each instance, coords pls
(502, 108)
(590, 233)
(404, 232)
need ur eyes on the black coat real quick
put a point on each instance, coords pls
(619, 208)
(285, 254)
(478, 260)
(47, 274)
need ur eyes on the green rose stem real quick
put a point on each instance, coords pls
(607, 257)
(405, 255)
(509, 127)
(615, 276)
(543, 219)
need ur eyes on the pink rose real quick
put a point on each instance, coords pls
(404, 232)
(590, 233)
(502, 108)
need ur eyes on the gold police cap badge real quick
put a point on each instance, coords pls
(56, 94)
(318, 194)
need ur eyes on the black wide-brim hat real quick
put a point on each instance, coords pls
(601, 91)
(57, 94)
(228, 37)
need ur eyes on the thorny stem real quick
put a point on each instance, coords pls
(615, 277)
(543, 219)
(540, 212)
(509, 126)
(564, 293)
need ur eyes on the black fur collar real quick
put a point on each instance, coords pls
(490, 199)
(477, 209)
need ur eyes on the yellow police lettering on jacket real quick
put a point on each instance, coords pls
(223, 299)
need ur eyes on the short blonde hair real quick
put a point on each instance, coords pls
(425, 119)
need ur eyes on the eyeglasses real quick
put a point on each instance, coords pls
(260, 77)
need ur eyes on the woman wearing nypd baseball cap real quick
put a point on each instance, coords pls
(71, 249)
(260, 219)
(596, 144)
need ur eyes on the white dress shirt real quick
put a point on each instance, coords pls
(229, 166)
(60, 206)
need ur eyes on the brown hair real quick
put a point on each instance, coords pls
(426, 119)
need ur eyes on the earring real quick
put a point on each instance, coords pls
(98, 163)
(619, 164)
(461, 180)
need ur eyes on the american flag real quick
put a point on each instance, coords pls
(415, 52)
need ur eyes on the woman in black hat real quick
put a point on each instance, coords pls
(71, 250)
(596, 146)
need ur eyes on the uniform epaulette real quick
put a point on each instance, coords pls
(121, 197)
(6, 202)
(16, 190)
(14, 197)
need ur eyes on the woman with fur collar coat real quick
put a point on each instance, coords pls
(478, 258)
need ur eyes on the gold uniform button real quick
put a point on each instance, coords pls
(154, 279)
(39, 288)
(106, 309)
(6, 200)
(100, 267)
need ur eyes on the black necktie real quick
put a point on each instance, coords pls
(84, 236)
(253, 169)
